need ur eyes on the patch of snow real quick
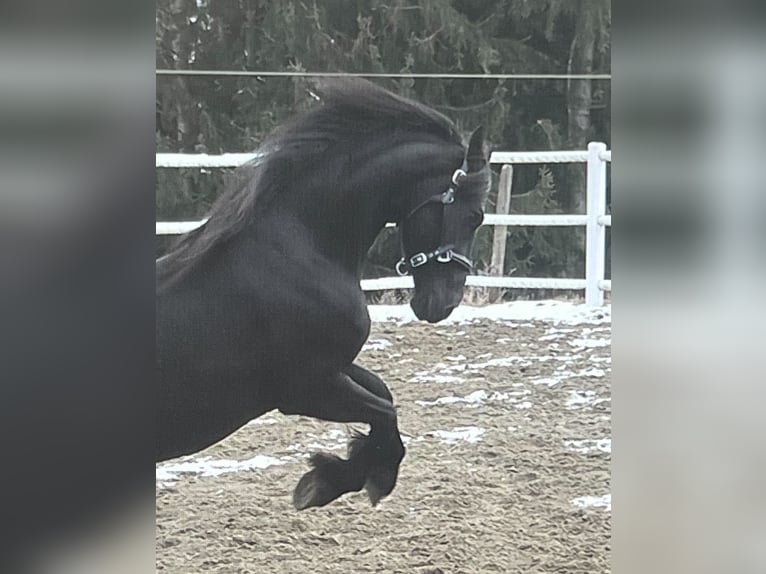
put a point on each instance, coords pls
(262, 421)
(435, 378)
(562, 373)
(502, 362)
(551, 337)
(334, 434)
(578, 399)
(475, 398)
(467, 434)
(333, 439)
(553, 311)
(207, 466)
(590, 343)
(555, 380)
(590, 330)
(406, 440)
(604, 502)
(445, 373)
(560, 358)
(586, 446)
(456, 358)
(376, 344)
(592, 372)
(444, 368)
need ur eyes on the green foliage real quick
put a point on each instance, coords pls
(539, 251)
(226, 114)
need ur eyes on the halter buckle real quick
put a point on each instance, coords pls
(418, 259)
(448, 196)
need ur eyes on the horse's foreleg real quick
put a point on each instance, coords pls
(369, 381)
(373, 460)
(382, 450)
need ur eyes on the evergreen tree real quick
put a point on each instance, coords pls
(232, 114)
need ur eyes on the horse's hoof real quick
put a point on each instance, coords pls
(310, 492)
(382, 460)
(380, 483)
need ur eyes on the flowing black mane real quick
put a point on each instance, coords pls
(347, 110)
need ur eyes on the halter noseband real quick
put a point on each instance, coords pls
(445, 253)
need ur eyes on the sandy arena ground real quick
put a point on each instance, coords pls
(507, 426)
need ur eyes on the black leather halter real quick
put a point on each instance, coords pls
(445, 253)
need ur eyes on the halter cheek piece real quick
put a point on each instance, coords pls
(444, 253)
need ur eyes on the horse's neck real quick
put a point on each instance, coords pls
(342, 221)
(345, 206)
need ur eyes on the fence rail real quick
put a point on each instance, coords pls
(595, 220)
(179, 227)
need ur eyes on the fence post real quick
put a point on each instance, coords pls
(500, 232)
(595, 239)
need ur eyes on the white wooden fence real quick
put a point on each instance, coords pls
(595, 220)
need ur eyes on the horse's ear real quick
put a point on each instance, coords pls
(474, 157)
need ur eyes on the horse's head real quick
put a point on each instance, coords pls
(437, 233)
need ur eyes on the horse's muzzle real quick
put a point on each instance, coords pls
(430, 309)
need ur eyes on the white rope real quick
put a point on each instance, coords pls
(179, 227)
(385, 283)
(519, 157)
(524, 282)
(167, 160)
(202, 159)
(534, 220)
(265, 74)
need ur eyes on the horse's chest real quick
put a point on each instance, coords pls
(305, 308)
(327, 319)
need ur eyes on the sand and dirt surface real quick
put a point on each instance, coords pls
(506, 420)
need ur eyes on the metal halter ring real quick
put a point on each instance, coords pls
(448, 197)
(445, 257)
(458, 175)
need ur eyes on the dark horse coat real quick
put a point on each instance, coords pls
(261, 308)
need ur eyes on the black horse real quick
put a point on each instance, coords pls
(261, 308)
